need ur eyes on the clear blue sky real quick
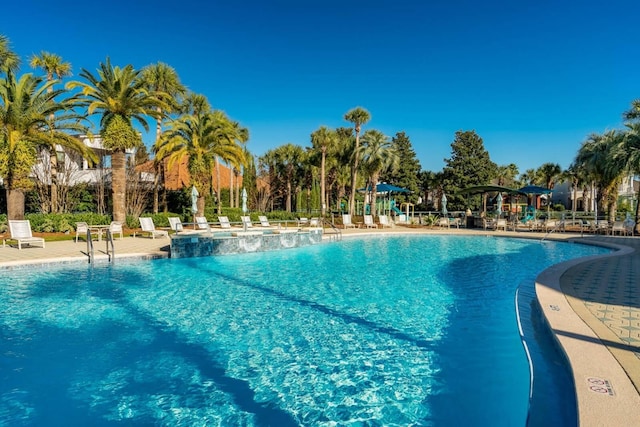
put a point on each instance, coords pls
(532, 78)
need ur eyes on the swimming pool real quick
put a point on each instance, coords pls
(394, 331)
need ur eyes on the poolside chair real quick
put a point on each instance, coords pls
(202, 223)
(346, 221)
(314, 222)
(623, 228)
(384, 221)
(224, 222)
(148, 226)
(81, 230)
(116, 228)
(501, 223)
(175, 223)
(264, 222)
(303, 221)
(443, 222)
(368, 222)
(246, 221)
(21, 232)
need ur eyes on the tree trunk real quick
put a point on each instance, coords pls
(323, 198)
(15, 204)
(354, 175)
(53, 162)
(119, 185)
(218, 186)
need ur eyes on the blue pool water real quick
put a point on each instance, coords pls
(393, 331)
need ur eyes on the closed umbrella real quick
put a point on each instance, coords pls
(244, 201)
(194, 199)
(499, 207)
(444, 205)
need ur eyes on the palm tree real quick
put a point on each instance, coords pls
(162, 79)
(323, 140)
(288, 159)
(358, 116)
(378, 155)
(507, 174)
(120, 97)
(628, 152)
(201, 139)
(596, 157)
(9, 60)
(634, 112)
(26, 108)
(54, 68)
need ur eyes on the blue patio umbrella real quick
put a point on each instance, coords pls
(534, 189)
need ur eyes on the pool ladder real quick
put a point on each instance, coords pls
(336, 234)
(111, 251)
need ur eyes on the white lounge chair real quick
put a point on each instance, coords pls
(346, 221)
(202, 223)
(148, 226)
(314, 222)
(384, 221)
(264, 222)
(368, 222)
(443, 222)
(224, 222)
(501, 223)
(175, 224)
(246, 221)
(81, 230)
(21, 232)
(303, 221)
(116, 228)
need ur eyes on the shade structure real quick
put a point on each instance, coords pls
(534, 189)
(479, 189)
(386, 188)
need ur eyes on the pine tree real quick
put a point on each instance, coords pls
(407, 173)
(469, 165)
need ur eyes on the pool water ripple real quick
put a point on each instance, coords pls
(392, 331)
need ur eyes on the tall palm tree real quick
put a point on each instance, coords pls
(9, 60)
(241, 136)
(162, 79)
(358, 116)
(378, 155)
(54, 68)
(323, 140)
(634, 112)
(596, 157)
(26, 108)
(628, 152)
(201, 138)
(120, 97)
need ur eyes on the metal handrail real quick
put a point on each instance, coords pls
(109, 239)
(335, 229)
(558, 226)
(90, 246)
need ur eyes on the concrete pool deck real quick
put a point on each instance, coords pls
(593, 307)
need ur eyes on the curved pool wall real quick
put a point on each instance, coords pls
(202, 244)
(416, 330)
(551, 400)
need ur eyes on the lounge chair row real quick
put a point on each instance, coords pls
(368, 221)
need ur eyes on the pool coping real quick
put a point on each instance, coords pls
(605, 394)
